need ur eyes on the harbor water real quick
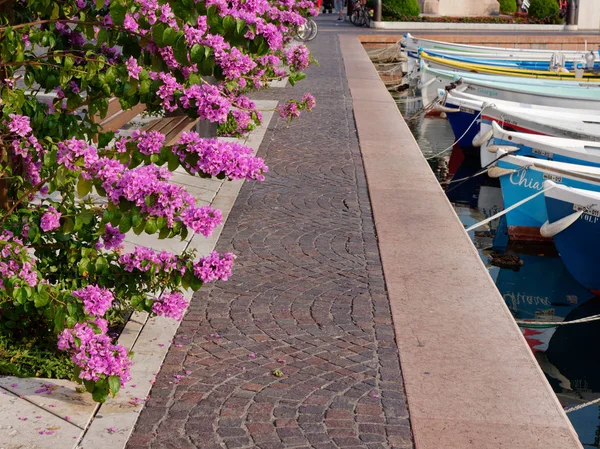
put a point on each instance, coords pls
(530, 277)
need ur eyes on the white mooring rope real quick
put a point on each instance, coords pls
(505, 211)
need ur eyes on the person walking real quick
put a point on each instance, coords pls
(339, 6)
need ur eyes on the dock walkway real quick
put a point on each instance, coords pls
(307, 297)
(302, 347)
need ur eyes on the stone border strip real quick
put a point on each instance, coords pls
(430, 26)
(471, 380)
(40, 413)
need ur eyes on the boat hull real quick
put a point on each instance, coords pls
(525, 221)
(546, 148)
(579, 244)
(460, 123)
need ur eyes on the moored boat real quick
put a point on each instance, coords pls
(436, 62)
(467, 113)
(434, 79)
(413, 43)
(578, 239)
(512, 61)
(558, 149)
(522, 177)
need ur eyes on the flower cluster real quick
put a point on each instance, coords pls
(50, 220)
(147, 142)
(15, 261)
(95, 353)
(298, 57)
(19, 125)
(112, 238)
(171, 305)
(145, 259)
(218, 157)
(208, 269)
(96, 300)
(293, 108)
(214, 267)
(26, 148)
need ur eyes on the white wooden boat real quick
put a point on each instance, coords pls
(433, 79)
(583, 152)
(569, 95)
(412, 43)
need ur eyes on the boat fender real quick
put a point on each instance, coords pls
(482, 137)
(496, 172)
(551, 229)
(443, 115)
(442, 108)
(508, 149)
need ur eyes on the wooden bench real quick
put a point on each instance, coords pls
(172, 127)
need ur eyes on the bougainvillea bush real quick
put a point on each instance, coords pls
(69, 191)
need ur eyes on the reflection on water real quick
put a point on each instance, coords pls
(531, 278)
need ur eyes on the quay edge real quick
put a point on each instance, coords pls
(471, 380)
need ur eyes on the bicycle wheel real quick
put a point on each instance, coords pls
(367, 18)
(303, 32)
(314, 29)
(357, 18)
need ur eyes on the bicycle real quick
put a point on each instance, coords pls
(360, 14)
(308, 31)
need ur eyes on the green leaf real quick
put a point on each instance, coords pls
(207, 66)
(84, 186)
(68, 225)
(89, 385)
(117, 12)
(169, 37)
(20, 295)
(161, 222)
(136, 217)
(228, 23)
(145, 87)
(151, 226)
(139, 228)
(101, 265)
(125, 224)
(183, 233)
(180, 50)
(195, 283)
(99, 4)
(239, 25)
(164, 233)
(173, 161)
(59, 319)
(158, 32)
(197, 53)
(100, 391)
(84, 265)
(41, 300)
(114, 385)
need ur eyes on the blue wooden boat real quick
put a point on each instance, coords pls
(578, 238)
(521, 177)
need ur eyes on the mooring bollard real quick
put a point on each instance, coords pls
(377, 11)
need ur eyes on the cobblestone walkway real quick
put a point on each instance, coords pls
(307, 297)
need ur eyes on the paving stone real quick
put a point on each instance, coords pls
(307, 297)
